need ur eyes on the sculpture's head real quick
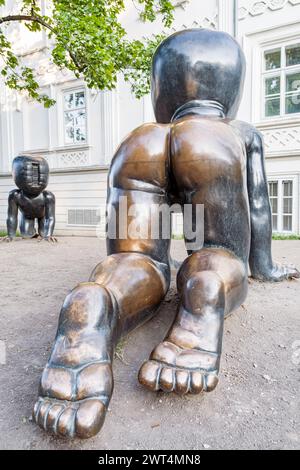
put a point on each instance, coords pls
(30, 174)
(197, 64)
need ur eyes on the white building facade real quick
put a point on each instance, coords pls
(80, 133)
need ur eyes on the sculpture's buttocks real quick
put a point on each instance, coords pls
(203, 149)
(208, 162)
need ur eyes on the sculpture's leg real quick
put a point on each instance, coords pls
(27, 227)
(77, 382)
(212, 283)
(41, 227)
(125, 290)
(46, 223)
(43, 233)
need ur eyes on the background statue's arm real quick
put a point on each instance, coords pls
(49, 214)
(260, 258)
(12, 215)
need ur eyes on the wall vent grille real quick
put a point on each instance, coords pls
(86, 217)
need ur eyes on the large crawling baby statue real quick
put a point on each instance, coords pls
(196, 153)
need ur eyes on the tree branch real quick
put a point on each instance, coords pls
(32, 18)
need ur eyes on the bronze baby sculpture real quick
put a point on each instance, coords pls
(31, 175)
(196, 153)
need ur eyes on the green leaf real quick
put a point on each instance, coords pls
(88, 39)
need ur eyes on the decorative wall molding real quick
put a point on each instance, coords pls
(282, 140)
(209, 22)
(262, 6)
(46, 67)
(74, 159)
(181, 4)
(64, 158)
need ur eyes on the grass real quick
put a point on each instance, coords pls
(283, 236)
(3, 233)
(275, 236)
(120, 349)
(177, 237)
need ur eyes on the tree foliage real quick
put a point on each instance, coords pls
(88, 39)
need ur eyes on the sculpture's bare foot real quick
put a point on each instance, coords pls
(71, 415)
(279, 272)
(179, 364)
(47, 239)
(77, 382)
(6, 239)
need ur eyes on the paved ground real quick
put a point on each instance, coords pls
(256, 404)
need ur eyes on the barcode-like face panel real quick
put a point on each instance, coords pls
(30, 174)
(35, 173)
(83, 217)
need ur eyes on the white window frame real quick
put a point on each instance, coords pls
(282, 72)
(64, 92)
(280, 180)
(274, 197)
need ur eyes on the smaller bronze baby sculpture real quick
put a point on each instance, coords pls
(31, 175)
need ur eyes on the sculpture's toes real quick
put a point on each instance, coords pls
(149, 375)
(89, 418)
(70, 419)
(293, 273)
(47, 239)
(183, 381)
(155, 377)
(210, 382)
(47, 412)
(158, 376)
(167, 379)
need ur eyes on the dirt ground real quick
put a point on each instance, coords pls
(255, 406)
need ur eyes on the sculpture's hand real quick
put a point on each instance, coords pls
(279, 273)
(6, 239)
(48, 239)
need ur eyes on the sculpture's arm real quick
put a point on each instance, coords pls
(49, 214)
(12, 215)
(260, 260)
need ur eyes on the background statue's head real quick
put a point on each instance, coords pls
(197, 64)
(30, 174)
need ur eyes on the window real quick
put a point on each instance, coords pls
(281, 81)
(74, 117)
(273, 193)
(287, 206)
(281, 200)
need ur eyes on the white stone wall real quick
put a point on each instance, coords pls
(261, 25)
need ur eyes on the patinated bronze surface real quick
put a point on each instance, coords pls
(31, 175)
(197, 153)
